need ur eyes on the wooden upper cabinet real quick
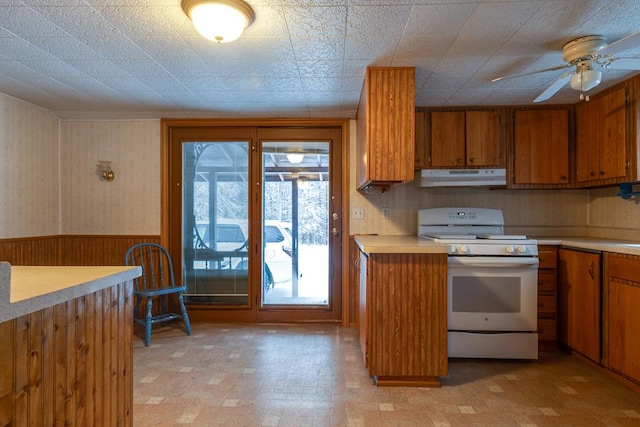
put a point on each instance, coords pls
(420, 157)
(601, 139)
(466, 139)
(386, 127)
(484, 130)
(541, 147)
(447, 139)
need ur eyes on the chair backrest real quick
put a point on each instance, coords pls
(157, 268)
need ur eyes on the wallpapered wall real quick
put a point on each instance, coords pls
(39, 198)
(128, 205)
(29, 185)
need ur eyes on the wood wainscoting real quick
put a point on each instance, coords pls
(70, 364)
(70, 250)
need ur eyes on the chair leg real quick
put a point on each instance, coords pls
(185, 316)
(148, 323)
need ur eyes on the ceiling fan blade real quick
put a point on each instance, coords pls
(555, 87)
(631, 41)
(559, 67)
(623, 64)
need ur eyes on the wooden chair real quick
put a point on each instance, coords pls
(156, 283)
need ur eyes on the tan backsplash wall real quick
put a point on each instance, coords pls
(612, 216)
(29, 184)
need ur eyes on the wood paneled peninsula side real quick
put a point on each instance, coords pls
(66, 345)
(402, 323)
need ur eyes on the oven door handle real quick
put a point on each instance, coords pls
(471, 261)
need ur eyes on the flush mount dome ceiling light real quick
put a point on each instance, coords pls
(221, 21)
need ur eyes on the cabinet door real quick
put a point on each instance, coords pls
(612, 132)
(580, 301)
(622, 314)
(385, 143)
(420, 158)
(483, 138)
(541, 147)
(363, 321)
(601, 137)
(587, 167)
(448, 135)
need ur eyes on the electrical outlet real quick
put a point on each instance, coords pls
(357, 213)
(385, 213)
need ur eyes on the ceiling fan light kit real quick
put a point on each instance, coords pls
(585, 78)
(221, 21)
(587, 55)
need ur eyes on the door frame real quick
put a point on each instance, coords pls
(249, 314)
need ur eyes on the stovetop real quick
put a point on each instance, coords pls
(473, 231)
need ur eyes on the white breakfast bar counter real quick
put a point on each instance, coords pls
(66, 345)
(25, 289)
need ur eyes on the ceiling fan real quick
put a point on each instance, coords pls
(587, 55)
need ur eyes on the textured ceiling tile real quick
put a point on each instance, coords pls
(331, 48)
(261, 83)
(138, 21)
(384, 21)
(320, 68)
(99, 68)
(316, 21)
(259, 67)
(54, 68)
(322, 84)
(270, 22)
(309, 55)
(64, 48)
(21, 50)
(26, 22)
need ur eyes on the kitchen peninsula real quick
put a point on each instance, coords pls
(66, 348)
(403, 310)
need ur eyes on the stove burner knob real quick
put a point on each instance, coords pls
(510, 249)
(522, 249)
(462, 249)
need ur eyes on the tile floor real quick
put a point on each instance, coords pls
(312, 375)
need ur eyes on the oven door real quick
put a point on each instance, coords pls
(492, 293)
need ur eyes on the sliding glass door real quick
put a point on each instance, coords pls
(295, 229)
(215, 206)
(255, 221)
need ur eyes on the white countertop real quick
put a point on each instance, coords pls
(413, 244)
(25, 289)
(398, 245)
(592, 243)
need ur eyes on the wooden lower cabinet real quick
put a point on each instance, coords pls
(622, 315)
(70, 364)
(580, 295)
(403, 317)
(547, 298)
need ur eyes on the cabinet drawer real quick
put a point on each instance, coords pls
(547, 304)
(547, 330)
(547, 258)
(547, 281)
(624, 268)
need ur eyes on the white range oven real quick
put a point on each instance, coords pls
(492, 283)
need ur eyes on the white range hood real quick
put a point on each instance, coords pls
(460, 177)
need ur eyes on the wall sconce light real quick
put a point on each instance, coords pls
(105, 172)
(221, 21)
